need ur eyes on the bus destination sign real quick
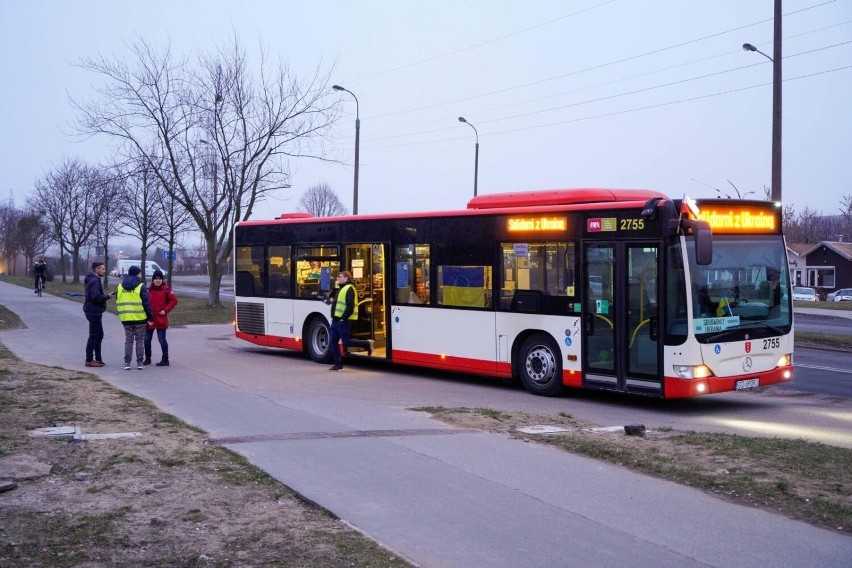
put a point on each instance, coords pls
(536, 224)
(739, 218)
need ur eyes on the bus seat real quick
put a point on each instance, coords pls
(244, 283)
(279, 285)
(526, 301)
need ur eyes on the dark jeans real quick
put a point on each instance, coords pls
(339, 332)
(161, 337)
(96, 337)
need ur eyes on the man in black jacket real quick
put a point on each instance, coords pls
(94, 307)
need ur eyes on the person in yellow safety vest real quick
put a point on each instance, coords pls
(134, 311)
(344, 301)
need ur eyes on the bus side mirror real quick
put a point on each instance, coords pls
(703, 241)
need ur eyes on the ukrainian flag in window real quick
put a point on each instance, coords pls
(463, 286)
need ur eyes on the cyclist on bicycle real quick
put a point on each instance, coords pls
(39, 271)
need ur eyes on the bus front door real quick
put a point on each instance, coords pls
(621, 339)
(366, 262)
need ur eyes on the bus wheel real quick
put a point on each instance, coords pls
(539, 365)
(316, 341)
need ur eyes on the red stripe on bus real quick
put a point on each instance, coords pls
(271, 341)
(676, 387)
(451, 363)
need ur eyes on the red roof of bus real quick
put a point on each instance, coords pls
(533, 201)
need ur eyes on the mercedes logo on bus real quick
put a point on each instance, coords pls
(747, 364)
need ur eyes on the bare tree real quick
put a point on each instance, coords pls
(33, 235)
(143, 215)
(846, 215)
(176, 221)
(9, 217)
(165, 108)
(73, 200)
(321, 201)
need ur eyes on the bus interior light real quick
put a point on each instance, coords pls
(692, 371)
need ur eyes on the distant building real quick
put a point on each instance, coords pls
(825, 266)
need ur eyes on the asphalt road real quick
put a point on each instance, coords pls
(821, 371)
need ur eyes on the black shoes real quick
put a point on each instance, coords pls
(163, 363)
(370, 343)
(147, 361)
(335, 367)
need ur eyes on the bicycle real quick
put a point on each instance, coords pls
(39, 286)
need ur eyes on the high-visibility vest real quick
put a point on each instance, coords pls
(340, 304)
(129, 304)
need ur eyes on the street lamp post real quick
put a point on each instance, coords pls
(476, 157)
(357, 146)
(776, 102)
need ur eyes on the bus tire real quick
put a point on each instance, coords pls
(540, 366)
(316, 341)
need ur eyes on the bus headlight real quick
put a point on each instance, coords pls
(692, 371)
(786, 360)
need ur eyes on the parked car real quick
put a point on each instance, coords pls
(844, 294)
(802, 294)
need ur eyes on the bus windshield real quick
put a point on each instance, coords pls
(745, 291)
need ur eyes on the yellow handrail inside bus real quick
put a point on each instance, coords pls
(635, 331)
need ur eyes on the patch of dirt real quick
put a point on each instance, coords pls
(165, 498)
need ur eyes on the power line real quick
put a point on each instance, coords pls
(616, 113)
(474, 46)
(596, 67)
(614, 96)
(614, 81)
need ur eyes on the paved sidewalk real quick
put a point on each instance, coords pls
(436, 495)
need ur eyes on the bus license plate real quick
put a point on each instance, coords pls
(747, 384)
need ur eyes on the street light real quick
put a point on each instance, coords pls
(357, 145)
(476, 159)
(776, 102)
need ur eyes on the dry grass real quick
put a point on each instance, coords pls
(165, 498)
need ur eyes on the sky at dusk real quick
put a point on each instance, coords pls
(655, 94)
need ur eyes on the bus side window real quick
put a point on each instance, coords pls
(412, 274)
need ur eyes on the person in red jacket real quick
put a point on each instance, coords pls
(162, 300)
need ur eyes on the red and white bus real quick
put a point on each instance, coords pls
(622, 290)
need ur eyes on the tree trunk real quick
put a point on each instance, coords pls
(214, 272)
(75, 265)
(62, 260)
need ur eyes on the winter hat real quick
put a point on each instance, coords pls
(134, 270)
(157, 274)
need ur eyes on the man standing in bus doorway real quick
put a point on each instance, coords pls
(343, 300)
